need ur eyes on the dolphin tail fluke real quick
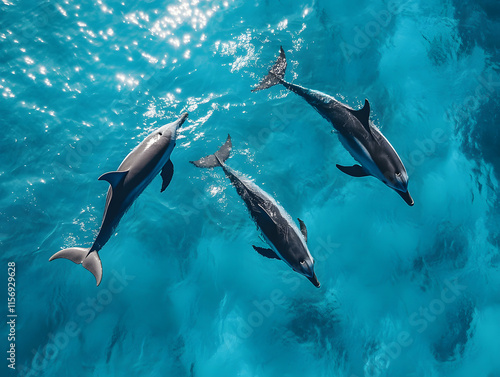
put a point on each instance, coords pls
(80, 255)
(216, 159)
(275, 75)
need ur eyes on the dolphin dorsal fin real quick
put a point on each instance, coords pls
(303, 229)
(363, 115)
(113, 177)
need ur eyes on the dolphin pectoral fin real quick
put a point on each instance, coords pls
(113, 177)
(268, 253)
(303, 228)
(363, 116)
(353, 171)
(166, 173)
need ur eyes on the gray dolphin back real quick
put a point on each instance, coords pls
(216, 159)
(276, 74)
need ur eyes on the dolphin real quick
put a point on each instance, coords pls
(363, 141)
(276, 225)
(133, 175)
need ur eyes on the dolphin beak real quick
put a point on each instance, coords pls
(406, 197)
(314, 280)
(171, 130)
(182, 119)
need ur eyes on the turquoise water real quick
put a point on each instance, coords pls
(406, 291)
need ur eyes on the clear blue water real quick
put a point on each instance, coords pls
(405, 291)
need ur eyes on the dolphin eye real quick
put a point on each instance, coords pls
(398, 174)
(302, 261)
